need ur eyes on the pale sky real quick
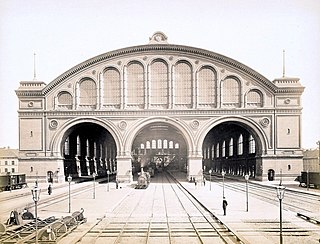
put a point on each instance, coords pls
(64, 33)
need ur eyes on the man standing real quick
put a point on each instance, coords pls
(224, 205)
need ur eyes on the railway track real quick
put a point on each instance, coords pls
(163, 213)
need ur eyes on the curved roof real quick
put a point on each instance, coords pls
(180, 49)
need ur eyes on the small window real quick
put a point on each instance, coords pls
(12, 162)
(31, 169)
(12, 170)
(6, 163)
(289, 167)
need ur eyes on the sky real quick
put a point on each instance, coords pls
(64, 33)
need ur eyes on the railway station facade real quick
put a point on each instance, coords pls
(163, 104)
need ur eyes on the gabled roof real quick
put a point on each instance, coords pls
(8, 152)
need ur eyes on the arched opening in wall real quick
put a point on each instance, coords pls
(232, 147)
(88, 148)
(158, 147)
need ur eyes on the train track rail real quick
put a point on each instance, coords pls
(163, 213)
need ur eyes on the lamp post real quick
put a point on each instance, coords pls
(210, 171)
(108, 173)
(280, 195)
(35, 196)
(94, 185)
(69, 178)
(223, 173)
(247, 200)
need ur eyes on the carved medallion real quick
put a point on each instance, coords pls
(122, 125)
(53, 124)
(194, 124)
(265, 122)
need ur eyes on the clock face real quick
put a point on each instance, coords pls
(158, 38)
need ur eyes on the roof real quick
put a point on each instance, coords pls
(6, 152)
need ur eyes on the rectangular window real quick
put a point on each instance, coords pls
(12, 162)
(12, 170)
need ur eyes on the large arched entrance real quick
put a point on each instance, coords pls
(88, 148)
(232, 147)
(159, 146)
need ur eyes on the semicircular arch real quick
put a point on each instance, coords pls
(248, 124)
(141, 124)
(55, 144)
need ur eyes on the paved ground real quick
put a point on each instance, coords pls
(259, 225)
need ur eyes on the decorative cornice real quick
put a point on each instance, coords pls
(179, 49)
(146, 113)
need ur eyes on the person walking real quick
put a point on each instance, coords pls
(49, 189)
(224, 205)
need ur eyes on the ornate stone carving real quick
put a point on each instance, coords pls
(30, 104)
(53, 124)
(122, 125)
(158, 37)
(265, 122)
(194, 124)
(287, 101)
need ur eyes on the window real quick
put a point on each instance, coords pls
(240, 145)
(111, 87)
(6, 170)
(231, 147)
(141, 146)
(148, 146)
(88, 93)
(170, 144)
(217, 151)
(153, 144)
(5, 162)
(159, 144)
(252, 145)
(224, 149)
(231, 92)
(165, 144)
(12, 162)
(176, 146)
(135, 84)
(12, 170)
(66, 146)
(183, 84)
(159, 84)
(254, 98)
(207, 87)
(65, 100)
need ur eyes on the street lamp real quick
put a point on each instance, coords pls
(210, 171)
(94, 185)
(247, 178)
(108, 173)
(223, 173)
(35, 196)
(69, 178)
(280, 195)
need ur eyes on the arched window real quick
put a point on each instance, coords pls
(135, 85)
(254, 98)
(88, 93)
(217, 150)
(153, 144)
(111, 87)
(165, 144)
(176, 146)
(183, 85)
(159, 84)
(78, 146)
(170, 144)
(252, 145)
(231, 147)
(159, 144)
(224, 149)
(148, 145)
(66, 146)
(141, 146)
(206, 87)
(231, 93)
(240, 145)
(212, 152)
(65, 100)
